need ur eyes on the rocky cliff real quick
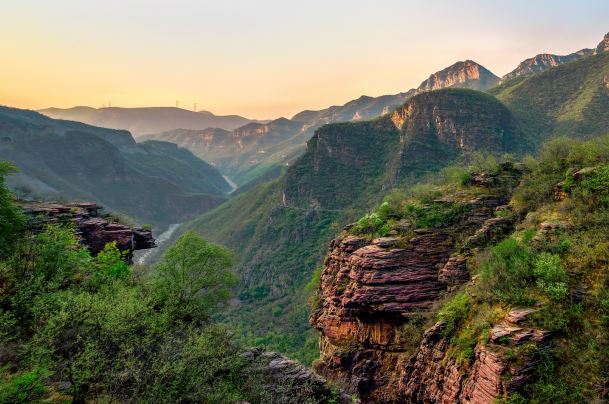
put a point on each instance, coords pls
(92, 228)
(603, 45)
(376, 297)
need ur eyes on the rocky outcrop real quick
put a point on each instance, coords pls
(432, 377)
(603, 46)
(466, 74)
(372, 291)
(543, 62)
(94, 230)
(287, 381)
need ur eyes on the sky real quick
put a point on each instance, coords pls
(267, 58)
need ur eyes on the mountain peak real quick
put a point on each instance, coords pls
(603, 46)
(463, 74)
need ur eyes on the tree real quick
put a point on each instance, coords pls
(193, 277)
(11, 219)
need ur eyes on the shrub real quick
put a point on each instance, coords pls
(370, 223)
(433, 215)
(22, 388)
(111, 263)
(454, 312)
(11, 220)
(594, 187)
(550, 275)
(507, 272)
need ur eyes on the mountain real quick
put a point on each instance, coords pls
(244, 153)
(265, 149)
(155, 182)
(279, 230)
(567, 100)
(543, 62)
(467, 74)
(140, 121)
(363, 108)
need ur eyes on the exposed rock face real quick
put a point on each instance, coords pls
(467, 74)
(543, 62)
(93, 230)
(603, 46)
(371, 289)
(428, 377)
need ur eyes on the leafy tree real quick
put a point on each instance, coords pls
(111, 263)
(194, 276)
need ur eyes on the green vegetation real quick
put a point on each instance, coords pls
(76, 327)
(555, 260)
(11, 220)
(454, 312)
(567, 100)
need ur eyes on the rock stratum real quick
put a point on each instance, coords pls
(92, 229)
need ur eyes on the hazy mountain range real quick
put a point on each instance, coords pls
(139, 121)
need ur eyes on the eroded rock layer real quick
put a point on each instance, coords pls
(94, 230)
(374, 292)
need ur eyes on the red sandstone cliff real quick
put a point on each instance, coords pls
(373, 293)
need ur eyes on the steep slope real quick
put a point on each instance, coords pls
(567, 100)
(543, 62)
(140, 121)
(154, 181)
(466, 74)
(279, 230)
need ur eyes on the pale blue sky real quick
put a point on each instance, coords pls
(267, 58)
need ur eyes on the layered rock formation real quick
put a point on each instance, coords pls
(90, 227)
(374, 293)
(430, 377)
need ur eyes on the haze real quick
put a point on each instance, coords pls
(264, 59)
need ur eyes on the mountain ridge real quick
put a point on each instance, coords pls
(144, 120)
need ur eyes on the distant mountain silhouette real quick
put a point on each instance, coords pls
(140, 121)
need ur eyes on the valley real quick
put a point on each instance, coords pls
(443, 244)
